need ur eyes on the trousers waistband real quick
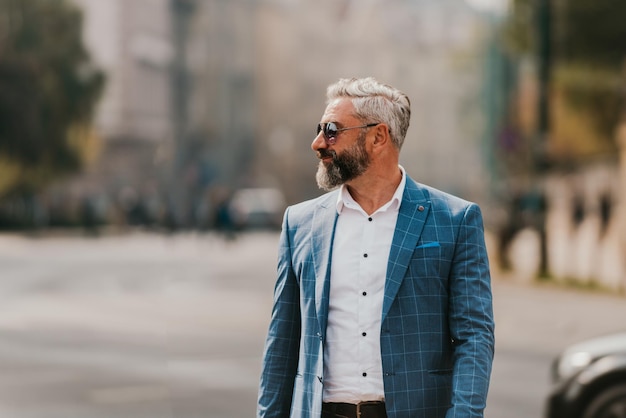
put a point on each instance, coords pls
(369, 409)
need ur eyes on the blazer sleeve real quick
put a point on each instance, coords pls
(471, 318)
(280, 358)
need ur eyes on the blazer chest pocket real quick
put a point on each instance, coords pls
(430, 244)
(428, 251)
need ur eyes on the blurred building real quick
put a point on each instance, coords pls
(206, 94)
(177, 113)
(432, 50)
(133, 43)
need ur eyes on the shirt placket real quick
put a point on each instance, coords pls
(365, 303)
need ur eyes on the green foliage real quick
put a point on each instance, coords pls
(47, 84)
(518, 35)
(588, 53)
(590, 32)
(594, 52)
(595, 91)
(593, 32)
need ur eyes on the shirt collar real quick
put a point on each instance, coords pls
(345, 199)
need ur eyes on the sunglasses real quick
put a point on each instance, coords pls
(330, 130)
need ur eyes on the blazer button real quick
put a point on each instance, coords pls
(420, 208)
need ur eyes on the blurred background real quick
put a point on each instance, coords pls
(149, 147)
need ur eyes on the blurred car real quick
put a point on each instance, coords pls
(590, 380)
(257, 208)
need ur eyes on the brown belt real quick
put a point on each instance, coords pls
(370, 409)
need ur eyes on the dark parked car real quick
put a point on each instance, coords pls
(590, 380)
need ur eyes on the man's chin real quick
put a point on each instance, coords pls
(323, 179)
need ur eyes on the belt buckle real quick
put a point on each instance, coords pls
(360, 405)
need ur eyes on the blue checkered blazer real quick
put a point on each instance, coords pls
(437, 330)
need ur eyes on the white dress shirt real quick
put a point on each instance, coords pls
(361, 246)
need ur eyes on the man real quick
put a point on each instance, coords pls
(383, 304)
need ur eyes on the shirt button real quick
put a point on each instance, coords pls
(370, 219)
(364, 293)
(364, 374)
(364, 334)
(365, 255)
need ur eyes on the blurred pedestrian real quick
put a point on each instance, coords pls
(88, 216)
(223, 220)
(382, 305)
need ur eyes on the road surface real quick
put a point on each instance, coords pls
(145, 325)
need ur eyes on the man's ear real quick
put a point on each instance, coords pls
(381, 134)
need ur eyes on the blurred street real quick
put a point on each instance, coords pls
(146, 325)
(141, 134)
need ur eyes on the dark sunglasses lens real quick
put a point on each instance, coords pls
(330, 130)
(319, 128)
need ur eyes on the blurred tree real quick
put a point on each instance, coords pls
(587, 54)
(593, 31)
(48, 91)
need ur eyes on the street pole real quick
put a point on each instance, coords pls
(540, 157)
(544, 49)
(181, 12)
(621, 213)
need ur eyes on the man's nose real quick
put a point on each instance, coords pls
(319, 142)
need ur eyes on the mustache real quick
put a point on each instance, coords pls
(324, 153)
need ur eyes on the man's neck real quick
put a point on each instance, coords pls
(371, 190)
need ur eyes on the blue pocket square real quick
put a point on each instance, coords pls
(429, 245)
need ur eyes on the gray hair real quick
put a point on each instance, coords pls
(375, 102)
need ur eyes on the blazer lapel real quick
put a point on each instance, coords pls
(323, 227)
(411, 218)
